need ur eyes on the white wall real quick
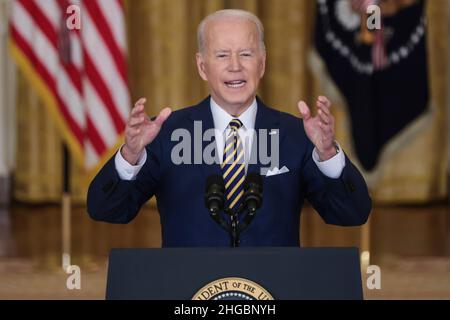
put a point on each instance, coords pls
(7, 97)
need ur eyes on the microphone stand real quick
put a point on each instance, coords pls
(234, 231)
(231, 229)
(214, 200)
(217, 218)
(247, 220)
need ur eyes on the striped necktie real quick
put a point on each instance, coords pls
(233, 166)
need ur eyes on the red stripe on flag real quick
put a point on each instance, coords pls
(104, 30)
(46, 26)
(94, 137)
(49, 81)
(103, 92)
(41, 20)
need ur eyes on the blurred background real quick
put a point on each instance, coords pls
(65, 93)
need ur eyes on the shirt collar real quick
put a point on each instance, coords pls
(222, 118)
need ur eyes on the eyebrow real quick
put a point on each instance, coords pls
(227, 51)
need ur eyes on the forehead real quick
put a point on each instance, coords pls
(231, 33)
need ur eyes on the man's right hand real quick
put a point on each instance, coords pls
(141, 131)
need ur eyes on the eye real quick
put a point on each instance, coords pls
(246, 54)
(221, 55)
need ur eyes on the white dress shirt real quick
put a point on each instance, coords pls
(222, 119)
(331, 168)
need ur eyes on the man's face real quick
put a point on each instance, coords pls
(232, 62)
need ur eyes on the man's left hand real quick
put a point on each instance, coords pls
(320, 129)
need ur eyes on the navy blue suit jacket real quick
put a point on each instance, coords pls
(179, 189)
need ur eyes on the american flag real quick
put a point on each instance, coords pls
(80, 73)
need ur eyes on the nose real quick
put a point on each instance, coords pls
(235, 63)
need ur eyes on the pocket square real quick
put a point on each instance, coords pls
(275, 171)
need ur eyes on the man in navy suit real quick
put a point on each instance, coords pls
(309, 164)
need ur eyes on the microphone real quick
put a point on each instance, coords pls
(215, 199)
(215, 193)
(253, 193)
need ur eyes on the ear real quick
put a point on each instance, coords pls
(201, 66)
(263, 65)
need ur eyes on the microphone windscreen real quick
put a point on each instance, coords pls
(214, 180)
(255, 179)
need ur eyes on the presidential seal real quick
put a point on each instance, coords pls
(232, 289)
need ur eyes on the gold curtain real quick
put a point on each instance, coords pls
(162, 45)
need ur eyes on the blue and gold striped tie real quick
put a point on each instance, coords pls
(233, 166)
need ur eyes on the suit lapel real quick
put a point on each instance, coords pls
(202, 113)
(266, 120)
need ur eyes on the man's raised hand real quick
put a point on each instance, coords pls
(141, 131)
(320, 129)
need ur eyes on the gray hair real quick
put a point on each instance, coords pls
(229, 14)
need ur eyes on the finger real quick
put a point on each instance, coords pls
(139, 108)
(325, 101)
(324, 117)
(324, 104)
(323, 107)
(133, 132)
(136, 120)
(304, 110)
(141, 101)
(163, 115)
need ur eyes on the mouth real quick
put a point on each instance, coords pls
(235, 84)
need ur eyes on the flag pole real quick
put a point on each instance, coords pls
(365, 245)
(66, 209)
